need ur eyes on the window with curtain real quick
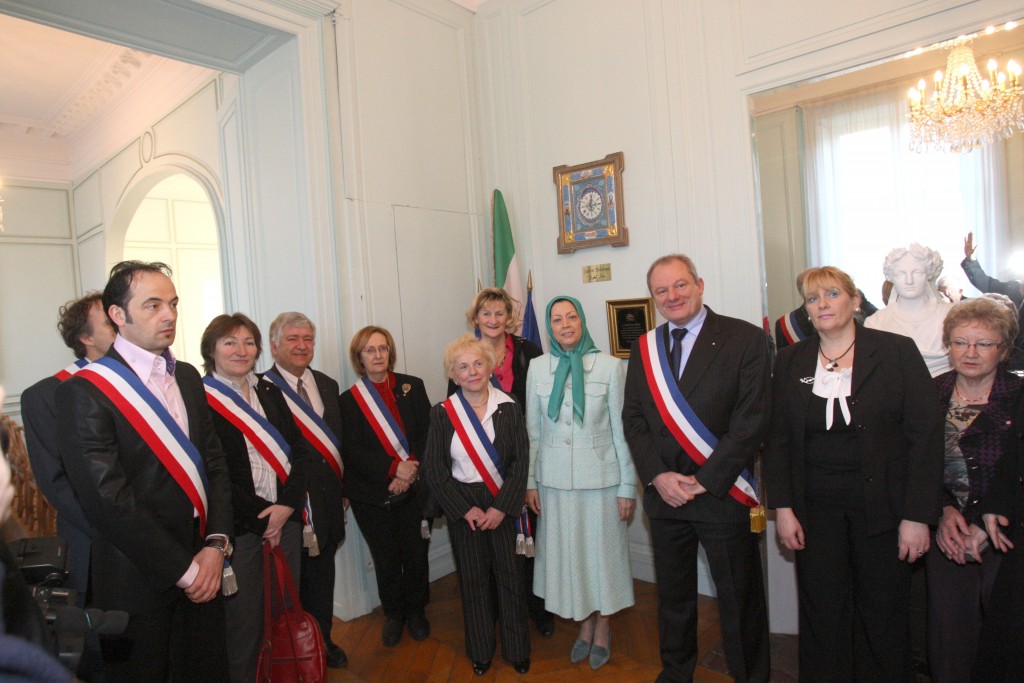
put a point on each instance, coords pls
(867, 193)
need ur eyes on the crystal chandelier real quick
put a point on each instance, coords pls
(965, 111)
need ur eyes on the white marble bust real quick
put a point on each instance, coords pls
(915, 309)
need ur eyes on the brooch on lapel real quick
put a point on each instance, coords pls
(806, 380)
(406, 388)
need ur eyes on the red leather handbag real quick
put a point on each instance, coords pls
(292, 649)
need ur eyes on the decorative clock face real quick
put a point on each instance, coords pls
(589, 205)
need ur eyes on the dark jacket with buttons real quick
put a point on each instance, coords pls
(983, 442)
(899, 431)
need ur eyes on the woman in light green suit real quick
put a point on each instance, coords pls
(582, 483)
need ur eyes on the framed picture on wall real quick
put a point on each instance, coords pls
(628, 320)
(591, 212)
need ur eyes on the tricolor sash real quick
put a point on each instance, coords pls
(384, 424)
(696, 439)
(791, 328)
(310, 424)
(72, 369)
(153, 422)
(256, 429)
(474, 439)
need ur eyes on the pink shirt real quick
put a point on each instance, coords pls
(157, 373)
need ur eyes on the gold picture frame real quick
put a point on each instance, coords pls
(628, 320)
(591, 210)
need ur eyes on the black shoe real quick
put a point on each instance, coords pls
(522, 667)
(419, 627)
(336, 657)
(480, 668)
(546, 625)
(392, 633)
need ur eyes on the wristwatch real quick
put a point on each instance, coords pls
(222, 544)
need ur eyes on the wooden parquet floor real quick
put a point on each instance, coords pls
(442, 656)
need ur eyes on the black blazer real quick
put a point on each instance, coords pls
(512, 444)
(523, 351)
(367, 464)
(325, 491)
(899, 430)
(726, 382)
(144, 538)
(247, 505)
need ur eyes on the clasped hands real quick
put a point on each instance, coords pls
(484, 521)
(955, 536)
(405, 476)
(677, 489)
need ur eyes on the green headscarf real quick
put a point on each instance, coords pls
(569, 362)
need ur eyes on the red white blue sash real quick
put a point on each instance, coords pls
(148, 416)
(791, 328)
(384, 424)
(474, 439)
(696, 439)
(312, 426)
(72, 369)
(256, 429)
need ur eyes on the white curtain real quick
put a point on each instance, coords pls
(867, 193)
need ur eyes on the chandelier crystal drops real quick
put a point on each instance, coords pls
(965, 111)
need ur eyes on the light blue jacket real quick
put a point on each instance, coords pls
(567, 455)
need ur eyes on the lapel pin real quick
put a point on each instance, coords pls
(807, 380)
(406, 388)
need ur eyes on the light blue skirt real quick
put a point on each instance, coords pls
(582, 563)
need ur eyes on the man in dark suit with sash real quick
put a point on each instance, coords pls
(313, 399)
(137, 441)
(88, 332)
(696, 409)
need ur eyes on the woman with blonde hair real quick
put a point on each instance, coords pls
(476, 464)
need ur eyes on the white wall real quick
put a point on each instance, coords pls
(666, 82)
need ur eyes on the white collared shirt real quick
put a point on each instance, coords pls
(693, 329)
(308, 383)
(463, 468)
(157, 373)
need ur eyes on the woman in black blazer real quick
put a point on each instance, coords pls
(854, 471)
(378, 412)
(266, 509)
(492, 315)
(482, 494)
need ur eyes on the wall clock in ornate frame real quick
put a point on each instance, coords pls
(591, 212)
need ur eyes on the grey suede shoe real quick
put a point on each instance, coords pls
(580, 651)
(599, 656)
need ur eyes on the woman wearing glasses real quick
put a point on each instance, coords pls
(977, 399)
(385, 416)
(853, 469)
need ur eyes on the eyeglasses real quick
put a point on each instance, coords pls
(376, 350)
(961, 345)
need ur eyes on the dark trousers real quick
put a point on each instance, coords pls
(958, 596)
(182, 640)
(399, 554)
(483, 559)
(735, 562)
(316, 585)
(854, 600)
(1001, 648)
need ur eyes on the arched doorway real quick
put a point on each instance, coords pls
(176, 223)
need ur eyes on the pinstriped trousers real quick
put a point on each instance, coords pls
(483, 559)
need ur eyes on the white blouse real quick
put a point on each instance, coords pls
(833, 386)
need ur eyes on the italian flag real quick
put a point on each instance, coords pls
(506, 266)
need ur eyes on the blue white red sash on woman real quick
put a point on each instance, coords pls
(791, 329)
(256, 429)
(695, 438)
(383, 423)
(474, 439)
(312, 426)
(485, 458)
(154, 424)
(72, 369)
